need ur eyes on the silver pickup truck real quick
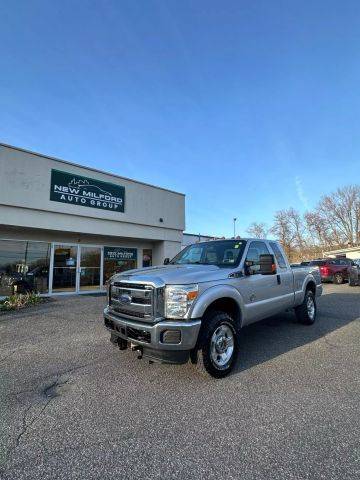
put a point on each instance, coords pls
(195, 306)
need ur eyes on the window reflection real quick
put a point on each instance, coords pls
(117, 266)
(64, 271)
(24, 267)
(90, 266)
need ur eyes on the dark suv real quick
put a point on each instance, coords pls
(336, 270)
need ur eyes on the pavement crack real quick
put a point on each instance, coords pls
(65, 372)
(21, 392)
(25, 425)
(49, 392)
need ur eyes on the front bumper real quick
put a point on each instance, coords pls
(319, 290)
(150, 336)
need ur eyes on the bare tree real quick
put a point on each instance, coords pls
(335, 222)
(316, 229)
(283, 231)
(298, 229)
(258, 230)
(339, 213)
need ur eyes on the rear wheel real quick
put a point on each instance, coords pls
(338, 278)
(306, 312)
(218, 346)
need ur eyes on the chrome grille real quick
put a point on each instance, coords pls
(133, 300)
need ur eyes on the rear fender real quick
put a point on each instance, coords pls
(309, 279)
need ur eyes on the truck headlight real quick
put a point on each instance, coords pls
(178, 299)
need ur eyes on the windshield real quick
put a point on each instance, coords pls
(223, 253)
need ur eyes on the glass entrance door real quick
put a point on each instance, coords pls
(65, 268)
(76, 268)
(90, 268)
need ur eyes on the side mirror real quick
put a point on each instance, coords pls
(247, 269)
(166, 261)
(267, 265)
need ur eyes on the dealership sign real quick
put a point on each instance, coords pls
(77, 190)
(119, 253)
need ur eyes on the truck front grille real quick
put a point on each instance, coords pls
(133, 300)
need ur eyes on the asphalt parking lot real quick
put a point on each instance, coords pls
(75, 407)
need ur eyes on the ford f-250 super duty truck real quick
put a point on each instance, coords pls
(195, 305)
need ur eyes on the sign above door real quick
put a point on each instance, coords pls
(120, 253)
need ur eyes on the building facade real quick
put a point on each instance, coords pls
(351, 252)
(190, 238)
(65, 228)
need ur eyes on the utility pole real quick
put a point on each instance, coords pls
(234, 219)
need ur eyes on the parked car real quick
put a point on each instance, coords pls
(354, 279)
(195, 305)
(357, 262)
(335, 270)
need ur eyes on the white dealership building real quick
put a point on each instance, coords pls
(65, 228)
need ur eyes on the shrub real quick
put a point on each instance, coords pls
(15, 302)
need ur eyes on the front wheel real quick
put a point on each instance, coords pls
(218, 345)
(306, 312)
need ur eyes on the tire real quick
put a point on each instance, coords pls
(22, 287)
(306, 312)
(218, 345)
(338, 279)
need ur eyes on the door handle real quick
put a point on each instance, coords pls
(278, 279)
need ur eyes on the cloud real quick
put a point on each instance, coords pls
(300, 192)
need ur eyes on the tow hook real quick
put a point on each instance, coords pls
(137, 348)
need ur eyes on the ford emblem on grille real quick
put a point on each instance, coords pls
(125, 298)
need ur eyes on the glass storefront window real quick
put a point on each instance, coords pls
(116, 266)
(118, 259)
(24, 267)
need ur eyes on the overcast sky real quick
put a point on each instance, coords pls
(247, 107)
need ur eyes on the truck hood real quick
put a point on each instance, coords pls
(176, 274)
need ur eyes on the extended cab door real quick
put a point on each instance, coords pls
(285, 277)
(259, 291)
